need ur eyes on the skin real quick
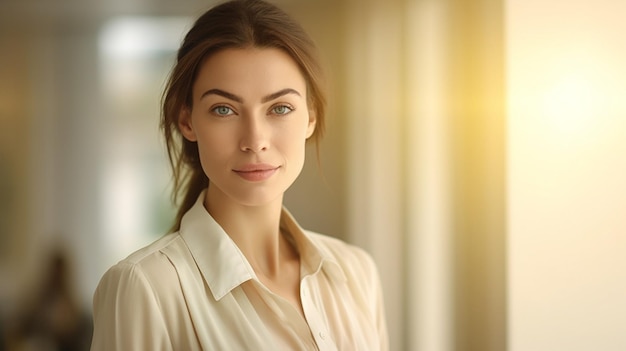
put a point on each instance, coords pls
(250, 120)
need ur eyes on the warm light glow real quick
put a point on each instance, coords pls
(578, 94)
(429, 225)
(569, 103)
(566, 174)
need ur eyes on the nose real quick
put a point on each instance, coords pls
(255, 134)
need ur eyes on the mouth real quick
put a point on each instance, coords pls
(256, 172)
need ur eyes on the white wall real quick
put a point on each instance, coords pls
(567, 175)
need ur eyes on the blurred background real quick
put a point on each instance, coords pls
(477, 149)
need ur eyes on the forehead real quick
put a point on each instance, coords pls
(249, 72)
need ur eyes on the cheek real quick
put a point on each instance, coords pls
(297, 140)
(213, 149)
(295, 146)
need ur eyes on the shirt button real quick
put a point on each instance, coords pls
(322, 335)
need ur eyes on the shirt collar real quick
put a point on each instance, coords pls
(225, 267)
(314, 256)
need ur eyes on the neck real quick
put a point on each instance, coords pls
(255, 230)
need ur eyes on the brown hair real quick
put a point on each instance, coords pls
(234, 24)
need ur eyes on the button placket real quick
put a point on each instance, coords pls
(314, 319)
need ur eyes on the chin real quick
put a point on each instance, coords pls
(257, 197)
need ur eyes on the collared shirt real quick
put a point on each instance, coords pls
(195, 290)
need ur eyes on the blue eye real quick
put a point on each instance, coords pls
(281, 110)
(223, 111)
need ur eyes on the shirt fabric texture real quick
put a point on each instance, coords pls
(195, 290)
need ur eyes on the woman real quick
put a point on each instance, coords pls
(237, 272)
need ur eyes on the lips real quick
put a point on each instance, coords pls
(256, 172)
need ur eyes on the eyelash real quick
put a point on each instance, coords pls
(273, 109)
(216, 108)
(289, 109)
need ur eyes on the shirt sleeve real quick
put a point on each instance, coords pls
(126, 312)
(367, 277)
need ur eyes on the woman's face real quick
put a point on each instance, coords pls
(250, 120)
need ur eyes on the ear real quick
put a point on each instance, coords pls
(312, 122)
(185, 126)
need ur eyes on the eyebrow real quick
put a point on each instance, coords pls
(239, 99)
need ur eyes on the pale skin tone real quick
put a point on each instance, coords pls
(250, 119)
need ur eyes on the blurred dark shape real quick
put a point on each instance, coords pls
(54, 320)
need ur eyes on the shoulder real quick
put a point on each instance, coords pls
(138, 300)
(148, 269)
(356, 263)
(337, 247)
(361, 276)
(154, 257)
(145, 254)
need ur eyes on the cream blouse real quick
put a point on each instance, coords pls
(195, 290)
